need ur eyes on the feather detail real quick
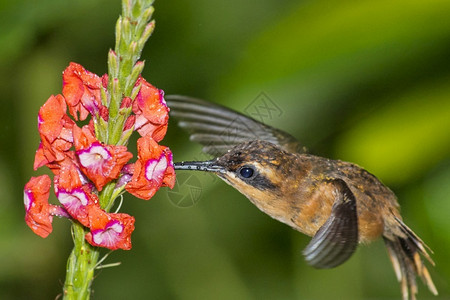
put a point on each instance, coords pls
(219, 128)
(405, 254)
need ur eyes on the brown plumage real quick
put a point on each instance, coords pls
(338, 203)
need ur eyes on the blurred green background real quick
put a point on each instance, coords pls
(363, 81)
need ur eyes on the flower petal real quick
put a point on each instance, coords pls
(112, 232)
(37, 208)
(81, 90)
(94, 157)
(50, 116)
(153, 169)
(169, 176)
(73, 193)
(152, 113)
(55, 129)
(100, 163)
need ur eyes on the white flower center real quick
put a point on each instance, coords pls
(94, 157)
(155, 169)
(109, 236)
(73, 200)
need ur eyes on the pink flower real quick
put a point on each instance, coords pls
(55, 129)
(38, 212)
(152, 113)
(153, 169)
(112, 231)
(81, 90)
(80, 204)
(72, 194)
(100, 163)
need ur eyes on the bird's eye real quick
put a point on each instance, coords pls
(246, 172)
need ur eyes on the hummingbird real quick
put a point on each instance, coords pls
(337, 203)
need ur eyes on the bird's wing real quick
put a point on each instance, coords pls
(219, 128)
(337, 239)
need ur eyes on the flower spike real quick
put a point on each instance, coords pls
(90, 161)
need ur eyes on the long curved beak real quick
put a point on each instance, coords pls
(206, 166)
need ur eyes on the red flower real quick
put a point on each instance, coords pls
(100, 163)
(38, 211)
(76, 197)
(79, 161)
(152, 113)
(55, 129)
(81, 90)
(153, 169)
(112, 231)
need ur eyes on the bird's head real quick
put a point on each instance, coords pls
(259, 170)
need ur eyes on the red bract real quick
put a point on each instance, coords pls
(55, 129)
(112, 231)
(153, 169)
(37, 208)
(81, 90)
(101, 164)
(152, 113)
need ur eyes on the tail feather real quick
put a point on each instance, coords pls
(405, 251)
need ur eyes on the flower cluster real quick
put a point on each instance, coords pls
(83, 165)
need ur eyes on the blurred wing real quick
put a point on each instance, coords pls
(337, 239)
(219, 129)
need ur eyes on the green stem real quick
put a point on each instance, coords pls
(105, 198)
(80, 266)
(133, 28)
(83, 259)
